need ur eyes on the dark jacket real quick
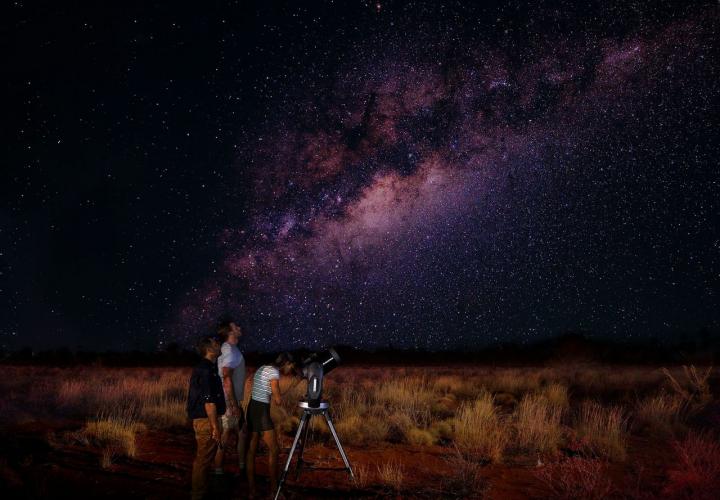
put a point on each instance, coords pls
(205, 387)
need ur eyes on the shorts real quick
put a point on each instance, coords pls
(258, 417)
(232, 422)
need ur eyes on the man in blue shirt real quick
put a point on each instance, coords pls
(231, 368)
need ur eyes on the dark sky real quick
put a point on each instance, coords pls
(416, 174)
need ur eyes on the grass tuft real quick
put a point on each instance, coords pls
(602, 430)
(480, 431)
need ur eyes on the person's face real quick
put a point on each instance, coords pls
(234, 335)
(214, 349)
(287, 369)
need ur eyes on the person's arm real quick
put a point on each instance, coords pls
(211, 411)
(210, 408)
(275, 387)
(229, 390)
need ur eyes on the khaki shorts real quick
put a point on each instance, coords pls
(231, 422)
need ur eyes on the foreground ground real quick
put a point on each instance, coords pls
(580, 431)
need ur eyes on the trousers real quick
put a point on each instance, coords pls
(206, 448)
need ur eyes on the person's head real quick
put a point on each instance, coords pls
(285, 363)
(228, 331)
(208, 347)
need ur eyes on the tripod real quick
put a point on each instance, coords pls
(308, 413)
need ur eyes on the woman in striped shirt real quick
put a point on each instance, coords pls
(265, 387)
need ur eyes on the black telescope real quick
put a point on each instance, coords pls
(314, 369)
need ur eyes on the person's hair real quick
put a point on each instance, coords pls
(282, 358)
(278, 360)
(205, 343)
(223, 328)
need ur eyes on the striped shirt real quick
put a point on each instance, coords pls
(261, 383)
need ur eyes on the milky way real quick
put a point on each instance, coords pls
(447, 189)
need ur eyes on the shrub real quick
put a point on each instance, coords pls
(448, 383)
(163, 413)
(72, 394)
(391, 474)
(694, 389)
(537, 424)
(576, 478)
(464, 479)
(603, 430)
(659, 413)
(557, 395)
(443, 429)
(479, 430)
(420, 437)
(357, 430)
(513, 381)
(411, 397)
(444, 407)
(361, 474)
(114, 435)
(696, 474)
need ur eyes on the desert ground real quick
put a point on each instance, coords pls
(560, 431)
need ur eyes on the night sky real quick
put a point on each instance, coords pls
(439, 175)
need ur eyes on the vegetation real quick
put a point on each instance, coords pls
(575, 422)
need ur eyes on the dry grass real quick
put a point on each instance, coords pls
(164, 412)
(490, 414)
(362, 476)
(412, 397)
(556, 395)
(391, 474)
(420, 437)
(660, 413)
(515, 381)
(696, 472)
(443, 430)
(114, 435)
(603, 430)
(464, 479)
(537, 424)
(159, 396)
(576, 478)
(693, 388)
(360, 431)
(479, 430)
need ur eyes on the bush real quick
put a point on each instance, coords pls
(659, 413)
(443, 429)
(391, 474)
(114, 435)
(557, 395)
(479, 430)
(696, 474)
(419, 437)
(537, 424)
(603, 430)
(576, 478)
(464, 479)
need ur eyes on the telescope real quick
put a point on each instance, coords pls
(314, 369)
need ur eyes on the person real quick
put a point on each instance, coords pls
(265, 387)
(206, 403)
(231, 368)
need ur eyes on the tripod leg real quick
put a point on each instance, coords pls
(303, 421)
(337, 441)
(300, 460)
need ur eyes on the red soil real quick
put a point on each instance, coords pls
(161, 469)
